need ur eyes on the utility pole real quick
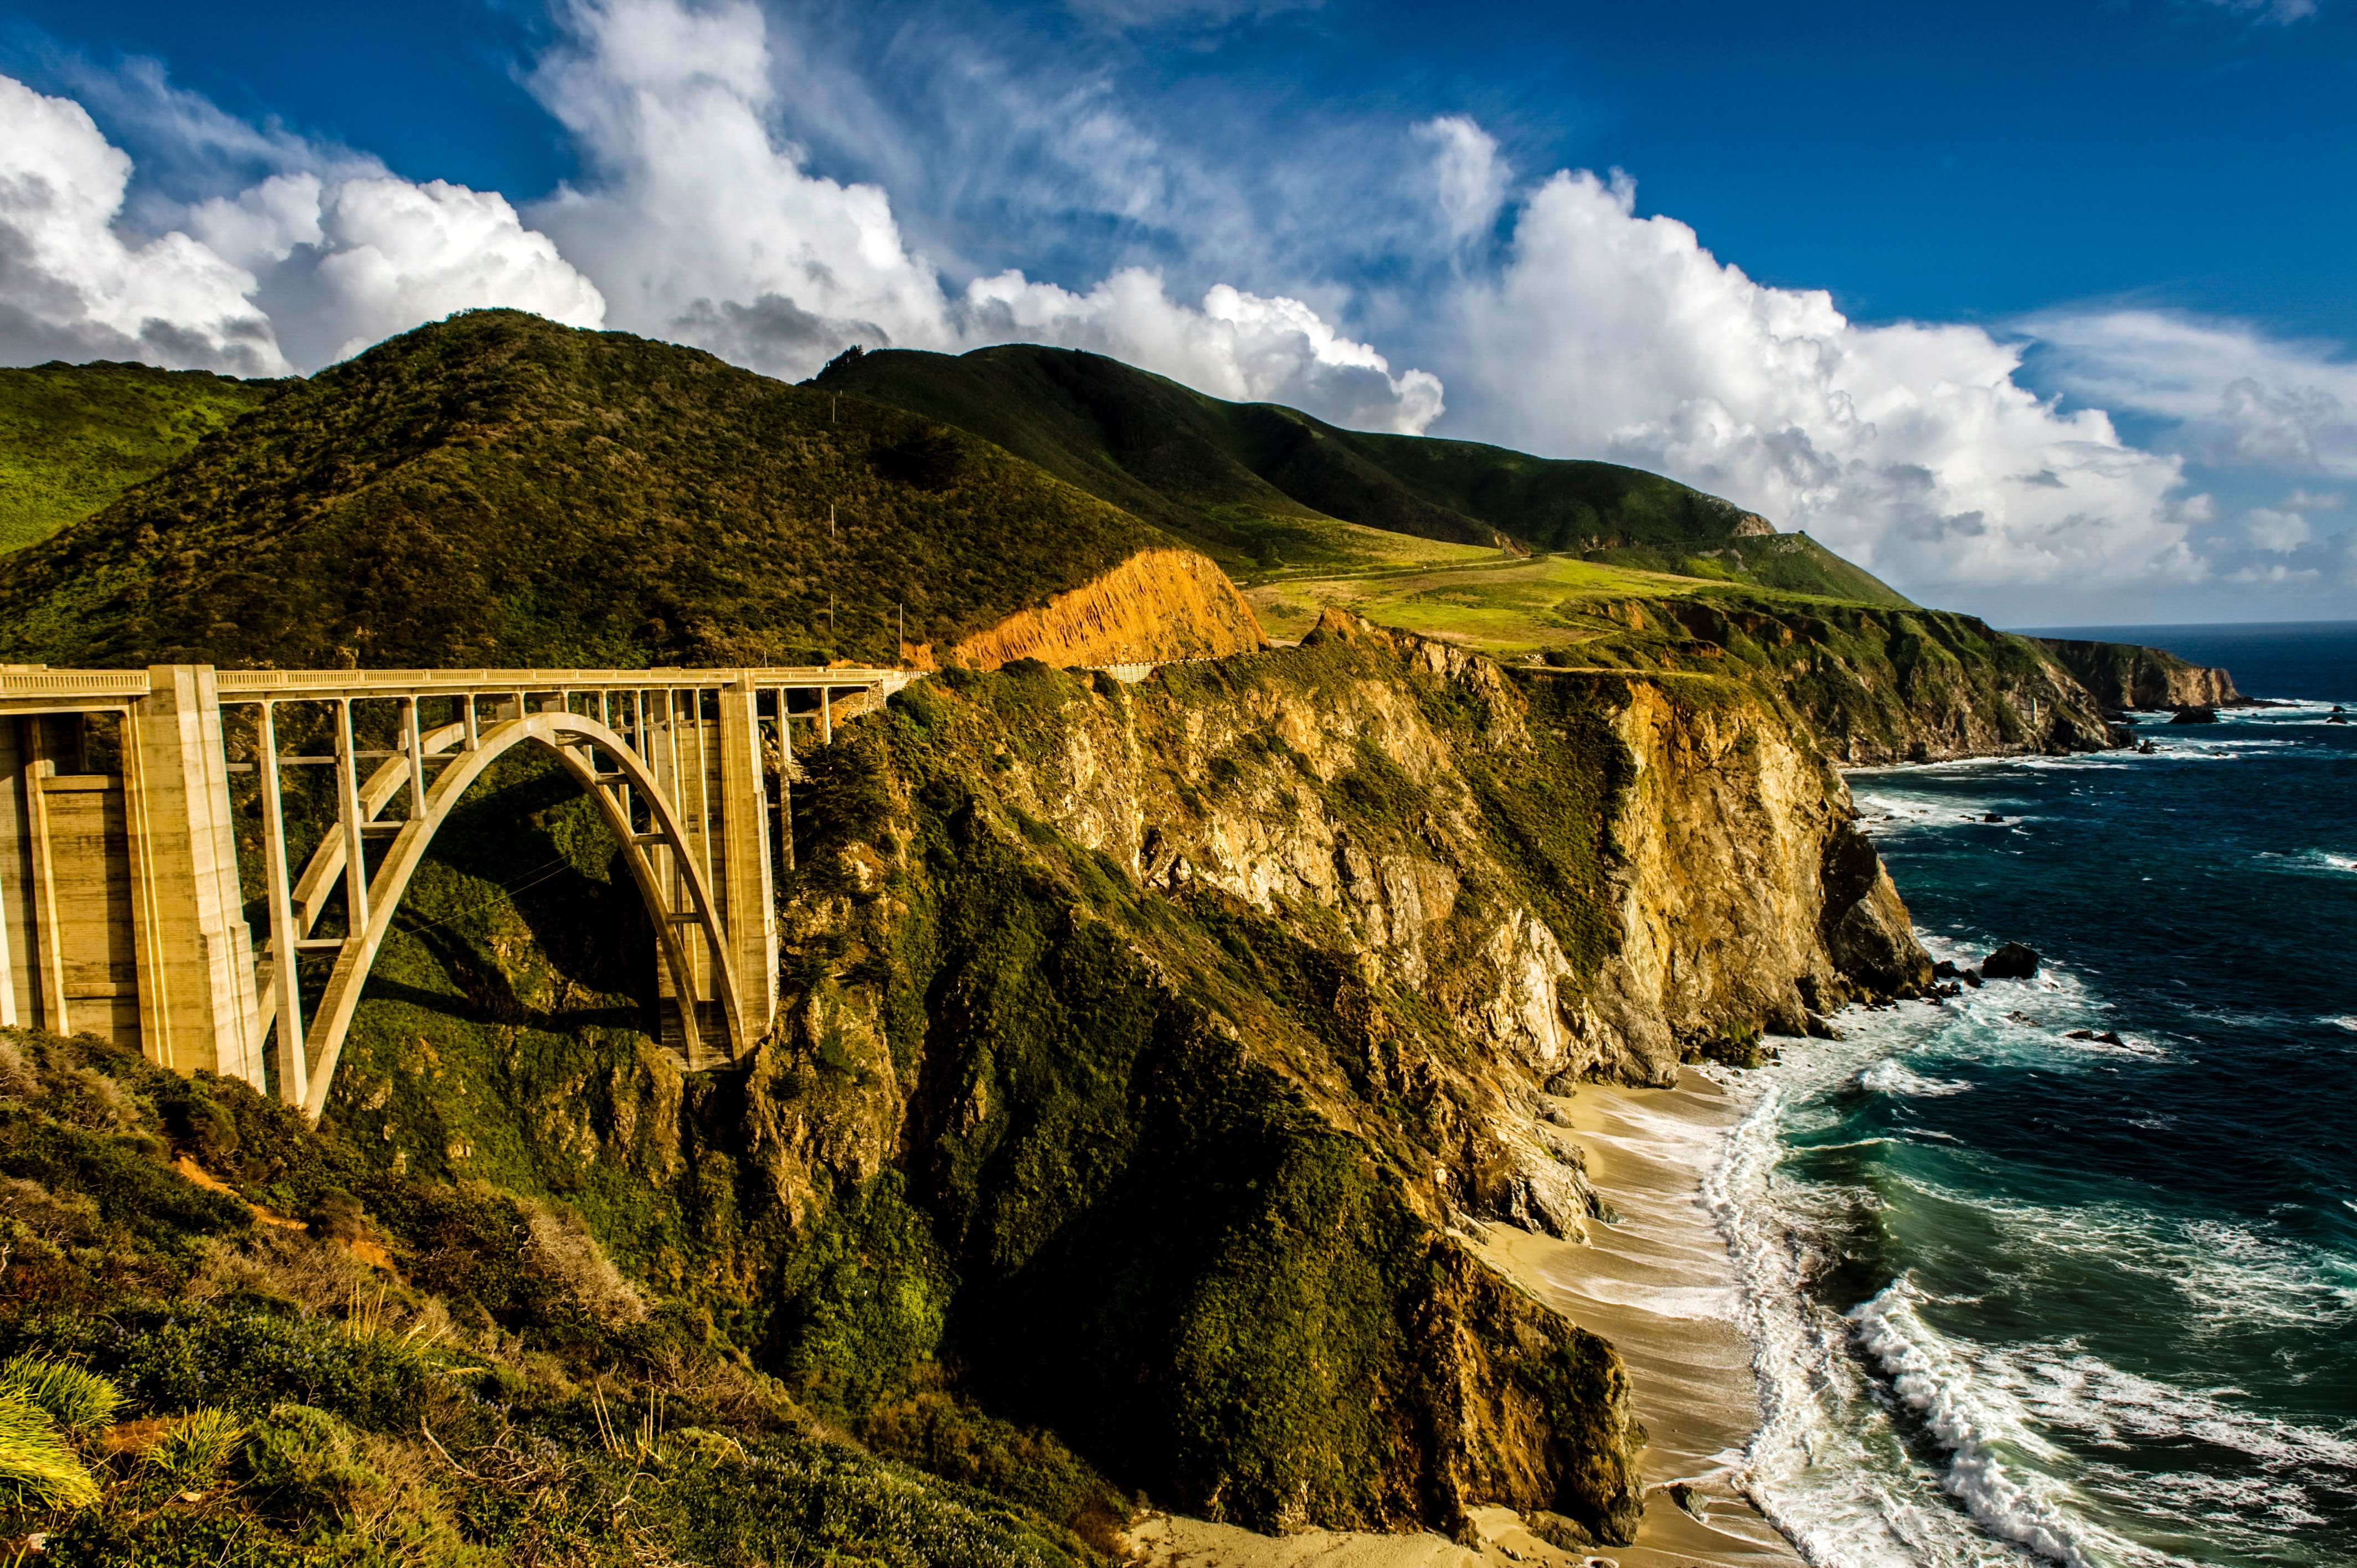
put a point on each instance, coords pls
(901, 652)
(830, 520)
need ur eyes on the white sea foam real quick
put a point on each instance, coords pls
(1829, 1465)
(1992, 1444)
(2345, 1021)
(1890, 1076)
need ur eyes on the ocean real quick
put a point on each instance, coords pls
(2019, 1296)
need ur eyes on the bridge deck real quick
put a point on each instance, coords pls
(25, 688)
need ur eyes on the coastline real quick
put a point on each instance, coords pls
(1658, 1283)
(1661, 1286)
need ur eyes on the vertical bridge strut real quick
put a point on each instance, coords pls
(121, 905)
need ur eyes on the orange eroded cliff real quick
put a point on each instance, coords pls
(1157, 605)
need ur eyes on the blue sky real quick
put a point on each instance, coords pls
(2041, 310)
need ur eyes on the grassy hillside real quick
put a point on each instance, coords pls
(74, 438)
(1259, 486)
(499, 489)
(279, 1353)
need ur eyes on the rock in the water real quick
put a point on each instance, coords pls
(2108, 1038)
(1944, 970)
(1993, 816)
(2011, 961)
(2148, 749)
(2194, 713)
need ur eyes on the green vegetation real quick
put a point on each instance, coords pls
(74, 438)
(1260, 487)
(496, 489)
(193, 1380)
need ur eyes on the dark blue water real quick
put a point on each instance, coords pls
(2022, 1296)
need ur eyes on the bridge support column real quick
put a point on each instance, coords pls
(748, 896)
(196, 954)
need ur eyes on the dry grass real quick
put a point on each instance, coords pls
(563, 1248)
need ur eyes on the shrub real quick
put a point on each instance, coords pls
(198, 1444)
(75, 1398)
(36, 1469)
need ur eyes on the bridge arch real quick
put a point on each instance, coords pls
(574, 741)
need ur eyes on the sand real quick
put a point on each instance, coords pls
(1660, 1285)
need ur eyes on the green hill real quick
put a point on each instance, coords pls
(1257, 486)
(499, 489)
(74, 438)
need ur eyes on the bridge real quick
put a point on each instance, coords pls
(122, 902)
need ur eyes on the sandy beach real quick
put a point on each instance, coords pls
(1657, 1281)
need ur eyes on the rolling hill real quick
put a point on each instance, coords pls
(1259, 486)
(74, 438)
(499, 489)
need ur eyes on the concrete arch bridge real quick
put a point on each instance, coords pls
(122, 910)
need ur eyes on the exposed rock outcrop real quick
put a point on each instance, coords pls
(1157, 605)
(2122, 675)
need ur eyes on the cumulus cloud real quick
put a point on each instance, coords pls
(2235, 396)
(1909, 447)
(700, 224)
(348, 265)
(2279, 532)
(296, 271)
(1238, 346)
(704, 225)
(71, 288)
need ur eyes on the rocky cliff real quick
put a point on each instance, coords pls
(1875, 684)
(1157, 605)
(1199, 1016)
(2122, 675)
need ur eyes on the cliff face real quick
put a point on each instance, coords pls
(2123, 675)
(1875, 685)
(1157, 605)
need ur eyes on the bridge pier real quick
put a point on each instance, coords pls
(195, 950)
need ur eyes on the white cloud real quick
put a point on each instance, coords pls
(1910, 448)
(299, 270)
(71, 288)
(697, 222)
(1238, 346)
(2238, 397)
(394, 254)
(2280, 533)
(703, 225)
(1468, 177)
